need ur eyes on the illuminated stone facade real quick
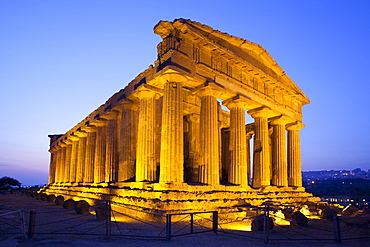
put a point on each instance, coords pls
(164, 143)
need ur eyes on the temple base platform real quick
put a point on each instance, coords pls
(153, 201)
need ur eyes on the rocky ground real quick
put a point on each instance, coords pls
(51, 217)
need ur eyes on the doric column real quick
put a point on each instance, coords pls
(172, 153)
(294, 154)
(90, 153)
(61, 161)
(100, 150)
(128, 141)
(194, 155)
(248, 143)
(238, 171)
(74, 158)
(209, 171)
(262, 160)
(111, 156)
(146, 167)
(80, 170)
(59, 164)
(279, 151)
(53, 168)
(67, 163)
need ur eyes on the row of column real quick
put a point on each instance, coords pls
(122, 144)
(96, 152)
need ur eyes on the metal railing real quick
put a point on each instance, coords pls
(192, 224)
(12, 225)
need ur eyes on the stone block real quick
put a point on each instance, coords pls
(258, 222)
(288, 212)
(51, 198)
(299, 218)
(59, 200)
(43, 197)
(328, 213)
(68, 204)
(81, 207)
(350, 211)
(101, 211)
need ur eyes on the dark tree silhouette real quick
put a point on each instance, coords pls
(8, 182)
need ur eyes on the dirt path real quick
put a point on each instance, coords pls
(47, 212)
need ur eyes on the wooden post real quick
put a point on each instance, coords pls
(215, 222)
(23, 224)
(168, 227)
(191, 223)
(337, 235)
(31, 224)
(265, 227)
(108, 220)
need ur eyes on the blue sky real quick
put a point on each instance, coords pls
(60, 60)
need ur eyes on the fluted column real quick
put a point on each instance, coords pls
(238, 149)
(53, 168)
(74, 158)
(146, 167)
(262, 160)
(194, 155)
(62, 162)
(209, 135)
(172, 153)
(100, 151)
(90, 154)
(248, 143)
(59, 165)
(67, 163)
(294, 154)
(111, 161)
(80, 169)
(128, 141)
(279, 151)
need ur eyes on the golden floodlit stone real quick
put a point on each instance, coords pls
(164, 144)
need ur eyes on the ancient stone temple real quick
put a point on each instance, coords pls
(176, 138)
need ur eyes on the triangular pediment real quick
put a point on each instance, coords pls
(250, 52)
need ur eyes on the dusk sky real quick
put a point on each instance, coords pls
(60, 60)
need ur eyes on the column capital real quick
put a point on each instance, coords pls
(81, 134)
(89, 128)
(261, 112)
(62, 144)
(68, 142)
(172, 77)
(295, 126)
(192, 118)
(99, 122)
(110, 115)
(240, 101)
(280, 120)
(147, 91)
(54, 149)
(209, 88)
(73, 138)
(128, 105)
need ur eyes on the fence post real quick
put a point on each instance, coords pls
(31, 223)
(23, 224)
(265, 228)
(191, 223)
(168, 227)
(215, 221)
(337, 235)
(108, 220)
